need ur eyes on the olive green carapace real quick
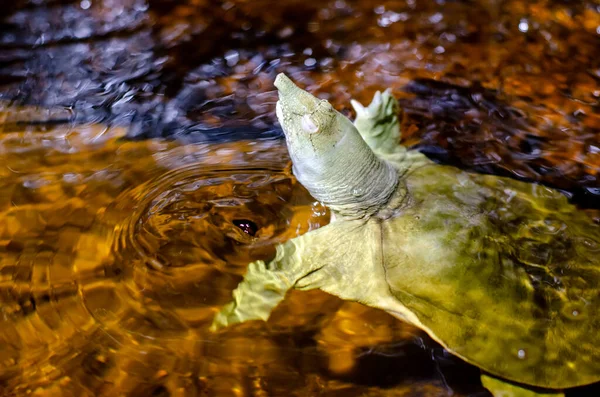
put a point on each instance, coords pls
(504, 274)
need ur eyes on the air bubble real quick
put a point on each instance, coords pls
(574, 311)
(357, 192)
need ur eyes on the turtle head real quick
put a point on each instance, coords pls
(329, 156)
(310, 124)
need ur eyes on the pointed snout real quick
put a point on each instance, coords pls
(284, 84)
(294, 98)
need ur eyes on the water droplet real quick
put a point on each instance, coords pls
(317, 209)
(85, 4)
(357, 192)
(574, 311)
(521, 354)
(523, 25)
(589, 243)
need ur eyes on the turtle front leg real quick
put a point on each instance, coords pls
(265, 285)
(255, 297)
(378, 123)
(305, 262)
(501, 388)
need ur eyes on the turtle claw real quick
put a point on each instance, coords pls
(377, 100)
(360, 110)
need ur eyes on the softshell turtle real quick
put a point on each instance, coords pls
(504, 274)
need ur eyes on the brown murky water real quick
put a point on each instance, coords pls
(116, 253)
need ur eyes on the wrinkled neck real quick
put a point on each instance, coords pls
(350, 179)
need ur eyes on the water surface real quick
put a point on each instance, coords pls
(116, 250)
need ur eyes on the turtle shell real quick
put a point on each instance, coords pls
(504, 274)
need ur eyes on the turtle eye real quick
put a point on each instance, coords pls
(308, 124)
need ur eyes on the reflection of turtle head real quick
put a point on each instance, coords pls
(329, 156)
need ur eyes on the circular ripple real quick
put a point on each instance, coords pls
(181, 252)
(116, 291)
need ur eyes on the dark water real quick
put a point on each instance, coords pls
(504, 86)
(115, 252)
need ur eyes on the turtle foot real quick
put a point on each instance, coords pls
(254, 298)
(378, 123)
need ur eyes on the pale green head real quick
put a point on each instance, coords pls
(329, 156)
(312, 126)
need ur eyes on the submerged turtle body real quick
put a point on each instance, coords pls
(504, 274)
